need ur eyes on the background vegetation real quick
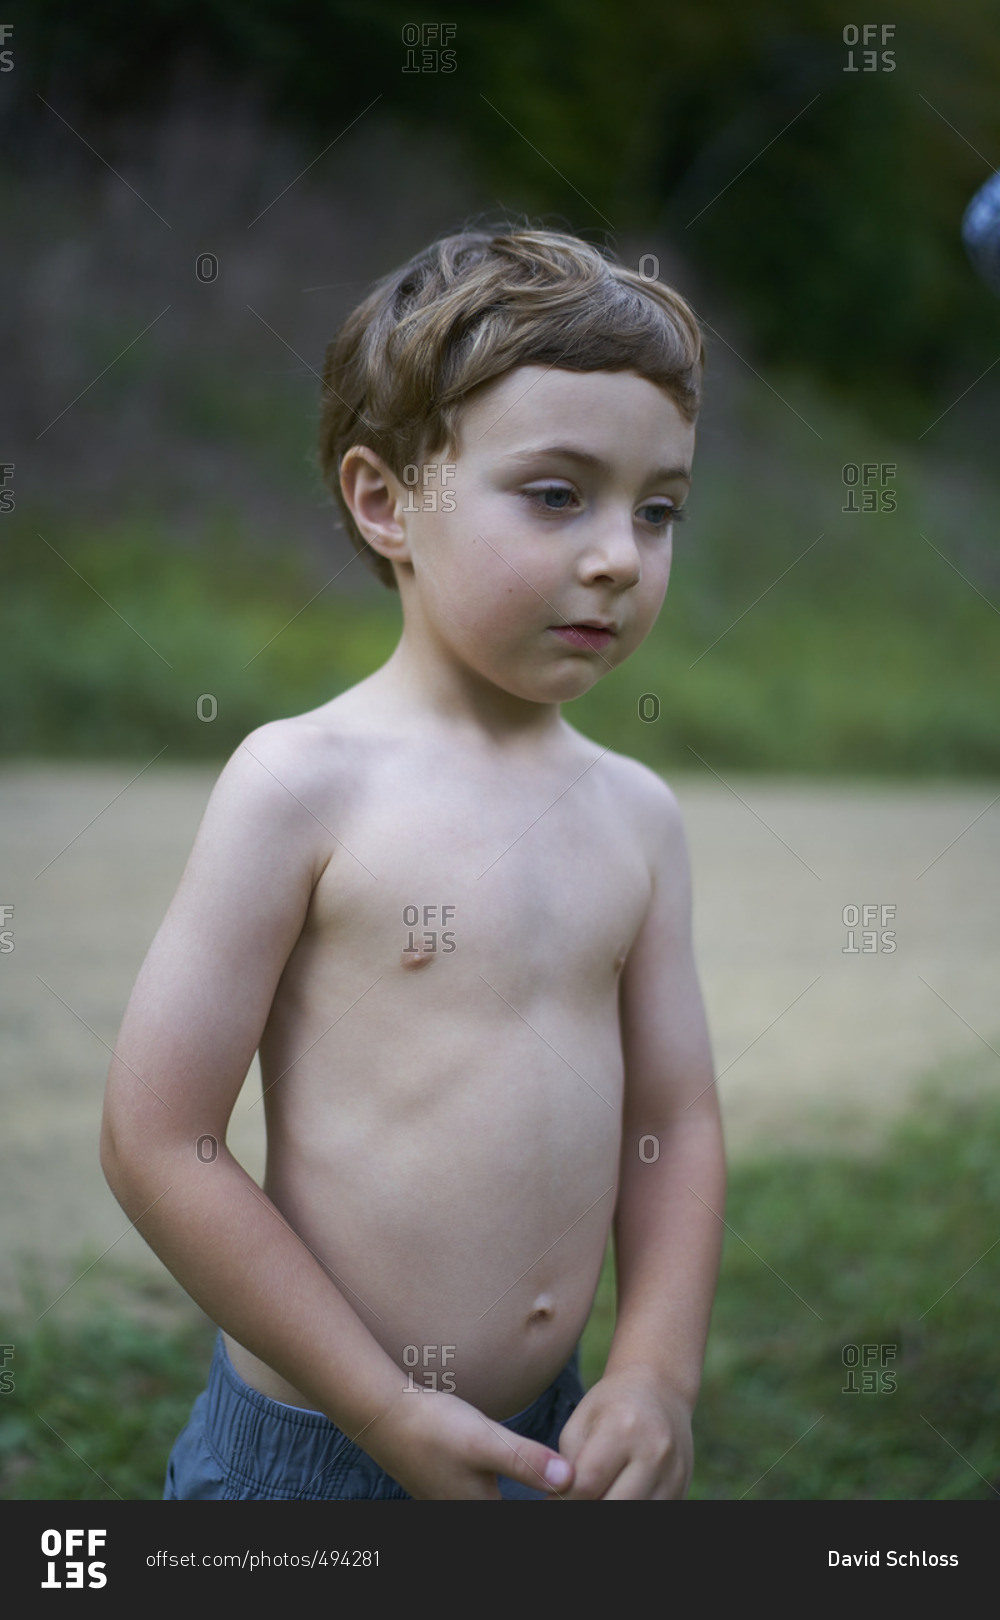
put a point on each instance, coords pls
(161, 428)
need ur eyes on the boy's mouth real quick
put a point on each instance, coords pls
(593, 635)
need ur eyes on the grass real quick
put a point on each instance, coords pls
(826, 1255)
(102, 1386)
(822, 1255)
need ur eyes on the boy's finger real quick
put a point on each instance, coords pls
(531, 1464)
(596, 1467)
(635, 1483)
(573, 1438)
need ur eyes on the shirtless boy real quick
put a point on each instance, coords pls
(459, 933)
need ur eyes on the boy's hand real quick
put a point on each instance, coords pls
(629, 1440)
(440, 1448)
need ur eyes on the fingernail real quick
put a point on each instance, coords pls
(558, 1472)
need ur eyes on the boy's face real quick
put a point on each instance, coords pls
(555, 513)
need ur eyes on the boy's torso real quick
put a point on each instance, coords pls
(442, 1061)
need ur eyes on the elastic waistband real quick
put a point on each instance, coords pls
(264, 1435)
(266, 1439)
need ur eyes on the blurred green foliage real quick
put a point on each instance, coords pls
(123, 645)
(823, 198)
(814, 209)
(795, 636)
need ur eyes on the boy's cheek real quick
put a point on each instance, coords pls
(640, 631)
(656, 603)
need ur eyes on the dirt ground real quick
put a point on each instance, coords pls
(816, 1045)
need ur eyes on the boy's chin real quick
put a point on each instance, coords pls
(563, 686)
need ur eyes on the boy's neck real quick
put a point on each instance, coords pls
(428, 685)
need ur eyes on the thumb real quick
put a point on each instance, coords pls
(531, 1463)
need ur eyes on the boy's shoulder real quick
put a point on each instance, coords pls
(650, 809)
(304, 765)
(655, 817)
(288, 754)
(300, 751)
(274, 805)
(642, 782)
(276, 784)
(644, 790)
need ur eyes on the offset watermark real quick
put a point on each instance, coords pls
(866, 486)
(6, 932)
(6, 495)
(206, 267)
(870, 922)
(432, 499)
(6, 56)
(64, 1552)
(6, 1374)
(207, 1149)
(436, 941)
(207, 707)
(427, 1368)
(429, 48)
(649, 707)
(869, 1369)
(869, 37)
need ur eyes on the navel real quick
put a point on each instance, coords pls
(542, 1311)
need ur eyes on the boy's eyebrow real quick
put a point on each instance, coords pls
(587, 458)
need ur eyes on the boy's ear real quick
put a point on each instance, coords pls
(376, 499)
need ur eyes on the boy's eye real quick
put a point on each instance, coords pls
(668, 513)
(551, 489)
(557, 497)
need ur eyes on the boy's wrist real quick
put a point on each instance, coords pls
(669, 1380)
(396, 1432)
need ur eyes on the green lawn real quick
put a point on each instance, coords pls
(823, 1257)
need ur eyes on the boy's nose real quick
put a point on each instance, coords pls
(613, 553)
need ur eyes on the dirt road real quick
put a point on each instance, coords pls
(820, 1033)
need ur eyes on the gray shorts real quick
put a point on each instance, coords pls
(239, 1445)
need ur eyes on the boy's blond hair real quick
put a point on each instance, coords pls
(467, 310)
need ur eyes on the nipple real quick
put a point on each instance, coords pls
(417, 957)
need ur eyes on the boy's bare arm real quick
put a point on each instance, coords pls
(631, 1436)
(190, 1032)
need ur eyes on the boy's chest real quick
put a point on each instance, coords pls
(552, 875)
